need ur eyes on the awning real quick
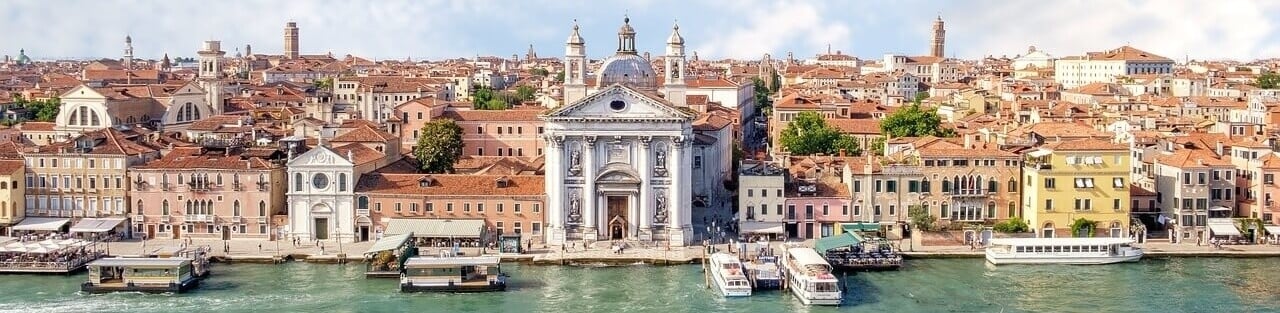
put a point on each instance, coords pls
(1219, 208)
(838, 241)
(42, 223)
(97, 225)
(1223, 229)
(761, 228)
(1272, 229)
(389, 243)
(436, 228)
(1039, 153)
(853, 227)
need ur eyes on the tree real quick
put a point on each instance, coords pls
(439, 146)
(808, 133)
(323, 83)
(1083, 227)
(484, 98)
(40, 110)
(912, 121)
(1012, 226)
(525, 93)
(540, 72)
(920, 217)
(877, 146)
(1268, 81)
(560, 77)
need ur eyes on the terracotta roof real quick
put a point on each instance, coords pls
(365, 132)
(360, 153)
(1087, 144)
(36, 126)
(492, 115)
(452, 185)
(1127, 53)
(105, 141)
(9, 166)
(856, 126)
(1192, 158)
(197, 158)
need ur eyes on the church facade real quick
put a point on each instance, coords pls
(619, 155)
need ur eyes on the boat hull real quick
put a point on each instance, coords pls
(171, 288)
(1082, 260)
(502, 286)
(816, 301)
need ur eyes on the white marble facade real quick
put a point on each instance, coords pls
(321, 196)
(618, 167)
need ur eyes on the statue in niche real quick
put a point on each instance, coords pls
(660, 217)
(575, 162)
(575, 209)
(660, 167)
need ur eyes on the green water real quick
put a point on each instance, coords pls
(969, 285)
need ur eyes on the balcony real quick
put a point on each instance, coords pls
(262, 185)
(139, 218)
(165, 187)
(236, 220)
(237, 186)
(262, 220)
(364, 212)
(969, 192)
(166, 219)
(1040, 166)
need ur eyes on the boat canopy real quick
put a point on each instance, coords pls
(141, 262)
(389, 243)
(1060, 241)
(429, 262)
(806, 257)
(96, 225)
(436, 228)
(860, 226)
(838, 241)
(751, 227)
(41, 223)
(1224, 229)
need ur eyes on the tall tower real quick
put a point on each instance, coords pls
(674, 68)
(210, 74)
(939, 39)
(626, 37)
(291, 40)
(575, 67)
(128, 53)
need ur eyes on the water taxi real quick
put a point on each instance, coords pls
(764, 273)
(809, 277)
(155, 275)
(1062, 251)
(452, 274)
(729, 275)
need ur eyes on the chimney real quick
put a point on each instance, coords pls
(1219, 148)
(842, 152)
(351, 157)
(968, 142)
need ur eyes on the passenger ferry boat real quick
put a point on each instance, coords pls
(1062, 251)
(177, 271)
(809, 277)
(452, 274)
(729, 275)
(765, 273)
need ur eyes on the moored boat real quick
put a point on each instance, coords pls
(729, 275)
(809, 278)
(764, 273)
(452, 274)
(1082, 251)
(153, 275)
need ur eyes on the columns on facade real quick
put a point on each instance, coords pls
(590, 196)
(679, 203)
(554, 181)
(645, 215)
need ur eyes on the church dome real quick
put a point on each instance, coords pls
(627, 69)
(23, 59)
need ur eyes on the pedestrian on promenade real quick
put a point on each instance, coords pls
(259, 247)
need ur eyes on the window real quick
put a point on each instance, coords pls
(479, 207)
(924, 186)
(857, 186)
(431, 207)
(413, 207)
(1115, 203)
(466, 207)
(751, 193)
(235, 208)
(342, 181)
(891, 186)
(1048, 205)
(1084, 204)
(262, 208)
(697, 161)
(893, 210)
(944, 213)
(397, 206)
(779, 210)
(1013, 185)
(448, 207)
(297, 181)
(913, 186)
(825, 209)
(1200, 178)
(778, 192)
(1084, 182)
(1186, 178)
(877, 210)
(1050, 183)
(878, 185)
(991, 186)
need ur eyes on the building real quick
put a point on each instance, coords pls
(761, 198)
(165, 107)
(322, 181)
(1107, 66)
(619, 157)
(290, 40)
(85, 176)
(1077, 181)
(938, 42)
(509, 204)
(218, 191)
(1195, 185)
(11, 194)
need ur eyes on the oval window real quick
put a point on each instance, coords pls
(617, 105)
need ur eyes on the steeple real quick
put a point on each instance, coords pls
(674, 68)
(575, 72)
(626, 37)
(128, 52)
(939, 39)
(291, 40)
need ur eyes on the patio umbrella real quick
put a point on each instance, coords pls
(68, 242)
(15, 245)
(40, 250)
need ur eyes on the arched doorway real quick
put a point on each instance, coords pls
(320, 214)
(1047, 231)
(619, 187)
(364, 228)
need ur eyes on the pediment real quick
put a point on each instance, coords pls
(82, 92)
(620, 102)
(320, 156)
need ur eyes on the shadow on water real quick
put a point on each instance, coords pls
(858, 289)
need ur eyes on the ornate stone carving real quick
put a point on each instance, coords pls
(575, 161)
(660, 214)
(680, 141)
(645, 141)
(660, 161)
(575, 208)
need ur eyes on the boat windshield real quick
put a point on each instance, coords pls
(828, 286)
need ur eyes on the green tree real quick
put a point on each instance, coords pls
(808, 133)
(913, 121)
(439, 146)
(1012, 226)
(525, 93)
(920, 96)
(920, 218)
(560, 77)
(484, 98)
(877, 146)
(1082, 227)
(540, 72)
(40, 110)
(323, 83)
(1268, 81)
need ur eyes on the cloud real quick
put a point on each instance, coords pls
(758, 28)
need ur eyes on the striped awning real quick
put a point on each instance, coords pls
(41, 223)
(436, 228)
(389, 243)
(97, 225)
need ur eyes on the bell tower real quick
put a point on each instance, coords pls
(575, 67)
(128, 53)
(210, 74)
(674, 68)
(939, 39)
(291, 40)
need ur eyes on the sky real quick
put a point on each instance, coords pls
(743, 29)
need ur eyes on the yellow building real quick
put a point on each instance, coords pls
(1078, 179)
(11, 194)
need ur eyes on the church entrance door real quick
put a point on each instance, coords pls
(617, 217)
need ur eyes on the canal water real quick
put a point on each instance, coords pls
(955, 285)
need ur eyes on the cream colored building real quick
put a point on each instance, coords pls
(1094, 67)
(11, 211)
(83, 177)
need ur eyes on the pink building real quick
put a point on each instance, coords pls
(209, 193)
(814, 207)
(512, 132)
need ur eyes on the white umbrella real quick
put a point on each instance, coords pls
(68, 242)
(46, 241)
(40, 250)
(15, 245)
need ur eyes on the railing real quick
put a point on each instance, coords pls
(262, 220)
(139, 218)
(165, 218)
(237, 186)
(235, 219)
(364, 212)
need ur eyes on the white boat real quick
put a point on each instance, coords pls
(452, 274)
(809, 277)
(1062, 251)
(729, 275)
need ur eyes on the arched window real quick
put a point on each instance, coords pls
(262, 208)
(342, 181)
(363, 203)
(1013, 209)
(140, 210)
(190, 208)
(297, 182)
(992, 185)
(235, 208)
(1013, 185)
(219, 180)
(94, 121)
(991, 209)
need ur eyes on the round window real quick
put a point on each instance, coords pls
(617, 105)
(320, 181)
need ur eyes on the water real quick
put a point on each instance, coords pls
(958, 285)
